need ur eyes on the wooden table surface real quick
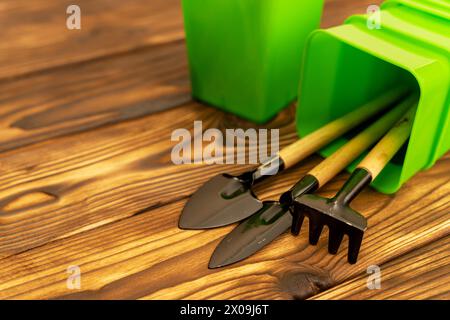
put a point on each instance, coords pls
(86, 177)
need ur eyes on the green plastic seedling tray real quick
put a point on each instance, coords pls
(350, 64)
(245, 55)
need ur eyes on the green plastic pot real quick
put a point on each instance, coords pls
(245, 55)
(350, 64)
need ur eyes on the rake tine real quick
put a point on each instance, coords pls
(334, 240)
(315, 229)
(355, 240)
(297, 222)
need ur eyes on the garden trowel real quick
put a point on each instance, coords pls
(273, 219)
(227, 199)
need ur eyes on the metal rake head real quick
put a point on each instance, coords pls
(339, 219)
(336, 214)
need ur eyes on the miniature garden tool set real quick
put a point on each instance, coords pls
(373, 98)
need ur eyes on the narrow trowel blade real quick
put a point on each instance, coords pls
(252, 235)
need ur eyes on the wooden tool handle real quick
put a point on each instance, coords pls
(323, 136)
(385, 150)
(334, 164)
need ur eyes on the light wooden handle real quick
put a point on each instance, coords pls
(334, 164)
(315, 141)
(385, 150)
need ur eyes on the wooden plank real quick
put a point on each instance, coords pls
(145, 73)
(35, 36)
(86, 96)
(336, 11)
(108, 201)
(421, 274)
(86, 172)
(98, 177)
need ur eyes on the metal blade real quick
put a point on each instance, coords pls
(221, 201)
(252, 235)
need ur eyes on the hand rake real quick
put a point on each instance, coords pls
(336, 212)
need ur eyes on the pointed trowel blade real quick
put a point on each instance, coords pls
(252, 235)
(221, 201)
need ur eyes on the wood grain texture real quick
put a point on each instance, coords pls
(95, 171)
(420, 274)
(92, 94)
(336, 11)
(88, 189)
(118, 201)
(127, 60)
(35, 36)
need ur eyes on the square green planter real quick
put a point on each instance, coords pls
(245, 55)
(350, 64)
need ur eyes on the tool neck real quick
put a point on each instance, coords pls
(357, 182)
(308, 184)
(269, 168)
